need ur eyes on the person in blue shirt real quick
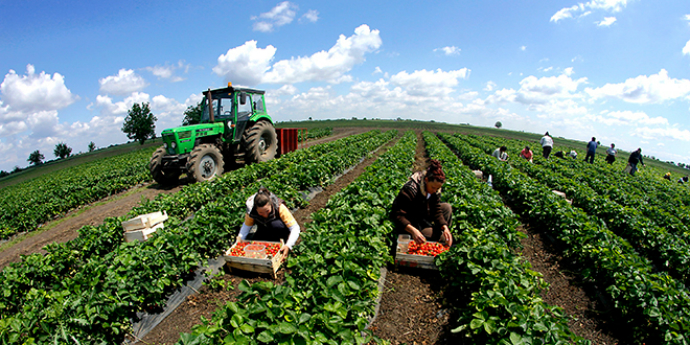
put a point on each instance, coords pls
(591, 150)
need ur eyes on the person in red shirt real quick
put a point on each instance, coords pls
(527, 154)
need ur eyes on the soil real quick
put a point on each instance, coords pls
(590, 318)
(203, 304)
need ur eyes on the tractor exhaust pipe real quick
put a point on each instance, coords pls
(210, 105)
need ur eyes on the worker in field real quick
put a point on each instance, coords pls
(572, 154)
(611, 154)
(546, 144)
(527, 154)
(634, 159)
(418, 210)
(273, 221)
(683, 180)
(559, 154)
(591, 150)
(501, 153)
(667, 176)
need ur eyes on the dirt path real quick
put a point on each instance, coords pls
(412, 307)
(65, 228)
(590, 318)
(208, 300)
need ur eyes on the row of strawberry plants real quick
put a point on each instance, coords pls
(95, 304)
(331, 292)
(653, 303)
(612, 183)
(315, 133)
(65, 259)
(659, 242)
(29, 204)
(505, 305)
(664, 248)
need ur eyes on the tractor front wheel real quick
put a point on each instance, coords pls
(260, 142)
(205, 163)
(163, 177)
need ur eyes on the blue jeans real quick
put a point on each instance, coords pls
(634, 168)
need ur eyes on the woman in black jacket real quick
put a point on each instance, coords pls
(418, 211)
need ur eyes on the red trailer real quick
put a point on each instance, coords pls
(289, 139)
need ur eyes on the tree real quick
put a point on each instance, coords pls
(3, 173)
(92, 146)
(36, 158)
(140, 124)
(62, 150)
(192, 115)
(498, 124)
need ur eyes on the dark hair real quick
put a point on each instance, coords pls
(594, 139)
(547, 133)
(435, 172)
(503, 148)
(527, 148)
(613, 145)
(263, 197)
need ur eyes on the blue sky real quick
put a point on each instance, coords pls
(618, 70)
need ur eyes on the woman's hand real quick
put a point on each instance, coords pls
(418, 237)
(447, 237)
(284, 251)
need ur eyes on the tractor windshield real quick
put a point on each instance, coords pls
(222, 110)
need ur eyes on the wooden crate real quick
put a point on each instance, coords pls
(418, 261)
(142, 235)
(271, 264)
(144, 221)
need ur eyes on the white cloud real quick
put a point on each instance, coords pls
(246, 64)
(686, 49)
(606, 5)
(452, 50)
(429, 83)
(523, 48)
(312, 16)
(547, 69)
(656, 88)
(125, 82)
(249, 65)
(627, 117)
(29, 93)
(568, 71)
(284, 13)
(665, 133)
(377, 70)
(168, 71)
(607, 21)
(490, 86)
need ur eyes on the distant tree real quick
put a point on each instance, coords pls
(35, 158)
(92, 146)
(354, 118)
(192, 115)
(62, 150)
(16, 169)
(3, 173)
(498, 124)
(309, 118)
(140, 124)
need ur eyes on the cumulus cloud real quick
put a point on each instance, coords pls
(452, 50)
(312, 16)
(429, 83)
(284, 13)
(627, 117)
(607, 21)
(686, 49)
(29, 93)
(168, 71)
(249, 65)
(662, 133)
(543, 90)
(642, 89)
(490, 86)
(585, 9)
(125, 82)
(523, 48)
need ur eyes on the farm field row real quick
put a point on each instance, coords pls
(29, 204)
(653, 303)
(83, 303)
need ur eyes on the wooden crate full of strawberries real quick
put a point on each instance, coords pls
(255, 256)
(411, 254)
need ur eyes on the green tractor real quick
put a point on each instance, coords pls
(234, 127)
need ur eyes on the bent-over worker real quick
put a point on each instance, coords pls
(418, 210)
(272, 218)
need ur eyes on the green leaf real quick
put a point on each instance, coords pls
(246, 329)
(304, 318)
(244, 286)
(333, 280)
(287, 328)
(474, 324)
(353, 285)
(265, 337)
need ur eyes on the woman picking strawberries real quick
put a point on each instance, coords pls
(418, 211)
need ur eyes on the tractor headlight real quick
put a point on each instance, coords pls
(165, 146)
(174, 145)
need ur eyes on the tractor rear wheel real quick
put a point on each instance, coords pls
(205, 163)
(163, 177)
(260, 142)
